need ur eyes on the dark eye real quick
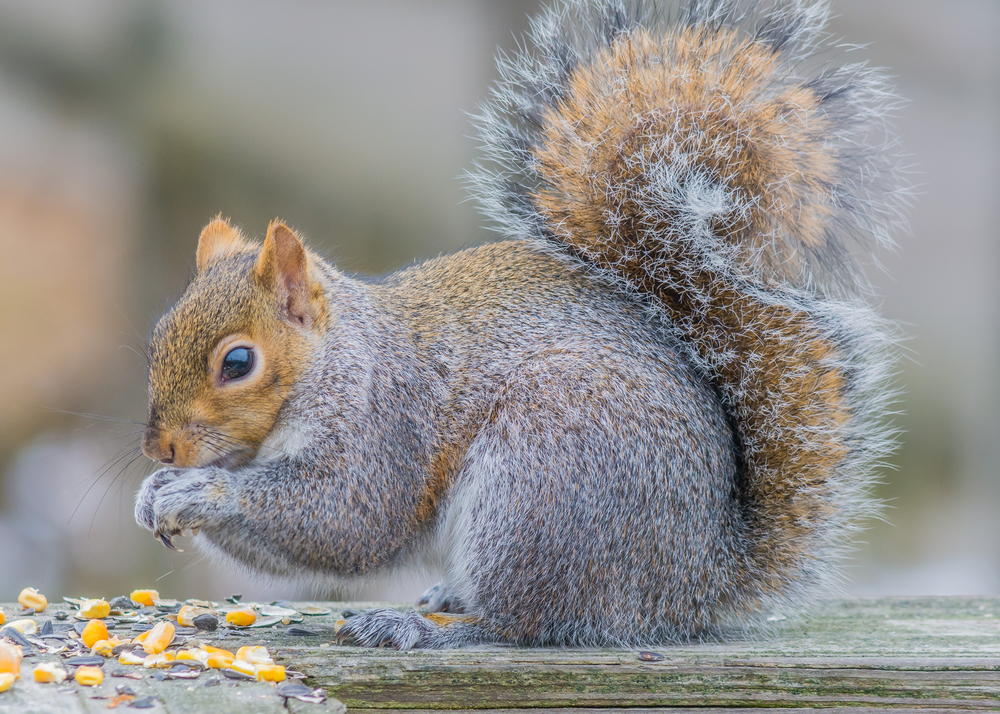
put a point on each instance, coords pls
(237, 363)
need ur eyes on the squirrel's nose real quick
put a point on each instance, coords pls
(157, 447)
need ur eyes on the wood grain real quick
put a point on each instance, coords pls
(906, 654)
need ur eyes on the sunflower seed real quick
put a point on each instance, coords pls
(233, 674)
(206, 622)
(300, 632)
(94, 661)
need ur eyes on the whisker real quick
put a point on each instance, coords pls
(135, 456)
(135, 333)
(236, 441)
(117, 459)
(111, 438)
(121, 492)
(137, 353)
(196, 557)
(99, 417)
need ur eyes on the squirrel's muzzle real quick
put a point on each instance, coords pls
(157, 446)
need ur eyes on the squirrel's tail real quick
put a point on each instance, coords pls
(682, 156)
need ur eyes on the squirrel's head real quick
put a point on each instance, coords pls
(225, 358)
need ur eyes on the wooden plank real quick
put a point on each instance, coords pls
(931, 654)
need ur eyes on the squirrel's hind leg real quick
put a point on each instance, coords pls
(595, 507)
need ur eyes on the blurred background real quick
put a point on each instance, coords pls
(125, 125)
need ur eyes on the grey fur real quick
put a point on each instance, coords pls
(597, 501)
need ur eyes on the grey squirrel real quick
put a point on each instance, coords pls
(651, 414)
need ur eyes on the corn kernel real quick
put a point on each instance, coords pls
(25, 627)
(104, 648)
(158, 638)
(270, 673)
(129, 657)
(243, 618)
(89, 676)
(94, 608)
(6, 681)
(10, 659)
(95, 631)
(49, 672)
(158, 661)
(244, 667)
(218, 650)
(219, 660)
(3, 618)
(337, 625)
(144, 597)
(186, 615)
(141, 637)
(193, 655)
(254, 654)
(30, 597)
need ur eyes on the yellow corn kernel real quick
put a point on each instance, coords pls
(144, 597)
(244, 667)
(129, 657)
(159, 660)
(186, 615)
(10, 659)
(95, 631)
(337, 625)
(49, 672)
(25, 627)
(104, 648)
(158, 638)
(254, 654)
(30, 597)
(219, 660)
(3, 618)
(243, 618)
(6, 681)
(270, 673)
(89, 676)
(193, 655)
(141, 637)
(94, 608)
(217, 650)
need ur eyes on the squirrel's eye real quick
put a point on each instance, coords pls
(237, 363)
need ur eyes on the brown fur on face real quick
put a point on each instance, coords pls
(244, 295)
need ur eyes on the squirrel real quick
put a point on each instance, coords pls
(652, 412)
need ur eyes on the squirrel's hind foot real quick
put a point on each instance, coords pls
(411, 630)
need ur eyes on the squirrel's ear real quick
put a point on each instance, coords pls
(282, 268)
(218, 239)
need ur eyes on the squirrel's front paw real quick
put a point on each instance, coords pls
(171, 501)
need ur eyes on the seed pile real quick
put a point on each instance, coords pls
(165, 638)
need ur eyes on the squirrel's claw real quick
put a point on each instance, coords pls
(167, 541)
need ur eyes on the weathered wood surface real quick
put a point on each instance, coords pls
(916, 654)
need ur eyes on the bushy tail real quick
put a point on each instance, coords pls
(683, 157)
